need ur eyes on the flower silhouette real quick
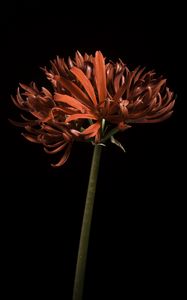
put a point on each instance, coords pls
(89, 101)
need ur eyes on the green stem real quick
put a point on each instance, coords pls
(86, 225)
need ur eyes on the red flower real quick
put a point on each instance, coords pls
(91, 100)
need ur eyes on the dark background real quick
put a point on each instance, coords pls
(137, 237)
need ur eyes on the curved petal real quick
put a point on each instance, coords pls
(55, 145)
(23, 124)
(64, 157)
(56, 150)
(162, 111)
(29, 89)
(120, 92)
(92, 130)
(79, 59)
(58, 114)
(31, 138)
(157, 120)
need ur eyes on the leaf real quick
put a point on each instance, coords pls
(98, 144)
(117, 143)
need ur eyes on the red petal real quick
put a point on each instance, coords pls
(79, 59)
(53, 145)
(138, 73)
(120, 92)
(31, 138)
(85, 83)
(117, 80)
(66, 110)
(64, 157)
(75, 90)
(28, 89)
(70, 100)
(80, 116)
(162, 118)
(100, 76)
(162, 111)
(56, 149)
(46, 92)
(91, 130)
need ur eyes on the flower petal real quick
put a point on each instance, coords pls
(64, 157)
(55, 145)
(58, 114)
(70, 100)
(85, 83)
(91, 131)
(162, 111)
(56, 150)
(75, 90)
(28, 89)
(79, 59)
(117, 80)
(80, 116)
(17, 104)
(138, 74)
(157, 120)
(31, 138)
(120, 92)
(100, 76)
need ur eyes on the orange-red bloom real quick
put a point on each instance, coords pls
(89, 100)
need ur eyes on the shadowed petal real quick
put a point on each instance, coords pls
(46, 92)
(64, 157)
(29, 89)
(55, 145)
(16, 103)
(120, 92)
(158, 87)
(164, 117)
(23, 124)
(117, 80)
(58, 149)
(31, 138)
(33, 130)
(162, 111)
(138, 73)
(19, 102)
(50, 129)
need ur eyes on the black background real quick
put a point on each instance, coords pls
(137, 240)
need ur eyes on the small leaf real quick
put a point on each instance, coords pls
(99, 144)
(117, 143)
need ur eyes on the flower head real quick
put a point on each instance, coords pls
(89, 101)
